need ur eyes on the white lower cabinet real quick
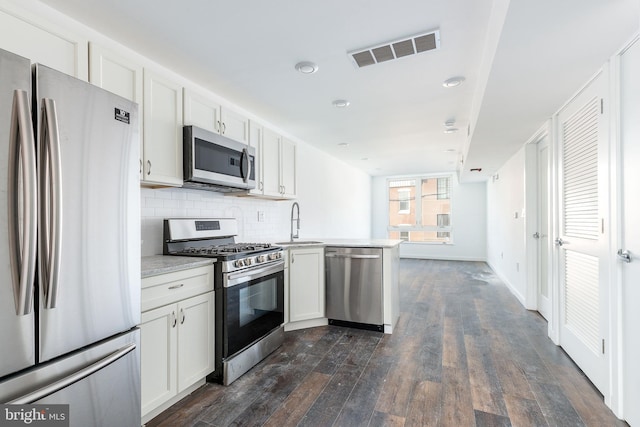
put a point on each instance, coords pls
(159, 351)
(306, 284)
(177, 336)
(195, 339)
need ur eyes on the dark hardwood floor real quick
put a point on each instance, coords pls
(464, 353)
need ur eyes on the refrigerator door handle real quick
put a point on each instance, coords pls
(74, 378)
(49, 165)
(22, 208)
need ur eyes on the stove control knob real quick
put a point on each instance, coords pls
(239, 263)
(248, 261)
(260, 258)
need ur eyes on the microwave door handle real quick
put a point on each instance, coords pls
(22, 231)
(244, 165)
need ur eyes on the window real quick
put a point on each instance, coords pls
(443, 188)
(404, 199)
(420, 209)
(443, 221)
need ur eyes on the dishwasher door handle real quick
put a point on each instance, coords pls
(355, 256)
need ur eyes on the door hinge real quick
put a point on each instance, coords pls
(603, 346)
(601, 105)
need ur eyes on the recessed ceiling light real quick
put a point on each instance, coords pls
(451, 130)
(450, 123)
(341, 103)
(343, 144)
(306, 67)
(453, 81)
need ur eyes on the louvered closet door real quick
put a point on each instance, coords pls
(582, 253)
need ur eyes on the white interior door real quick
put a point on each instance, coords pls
(630, 272)
(544, 299)
(582, 243)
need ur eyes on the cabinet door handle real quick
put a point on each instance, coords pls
(176, 286)
(148, 167)
(292, 259)
(224, 128)
(261, 186)
(175, 319)
(182, 316)
(219, 126)
(140, 166)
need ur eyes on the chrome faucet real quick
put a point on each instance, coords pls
(297, 220)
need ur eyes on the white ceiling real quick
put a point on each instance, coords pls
(521, 59)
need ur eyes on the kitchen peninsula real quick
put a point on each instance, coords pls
(302, 289)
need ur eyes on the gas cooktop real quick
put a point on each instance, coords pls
(215, 238)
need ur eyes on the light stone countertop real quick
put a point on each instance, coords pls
(161, 264)
(359, 243)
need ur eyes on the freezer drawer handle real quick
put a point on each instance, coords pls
(73, 378)
(22, 163)
(337, 255)
(50, 203)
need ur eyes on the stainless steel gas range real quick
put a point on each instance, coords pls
(249, 290)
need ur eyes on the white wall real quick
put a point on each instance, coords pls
(334, 198)
(334, 201)
(506, 251)
(468, 221)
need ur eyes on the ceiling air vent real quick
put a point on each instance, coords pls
(396, 49)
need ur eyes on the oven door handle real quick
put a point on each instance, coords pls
(237, 277)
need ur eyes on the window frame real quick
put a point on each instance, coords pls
(441, 231)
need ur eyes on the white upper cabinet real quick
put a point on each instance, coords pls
(28, 35)
(270, 163)
(207, 114)
(162, 162)
(201, 112)
(276, 173)
(118, 74)
(255, 141)
(234, 125)
(288, 168)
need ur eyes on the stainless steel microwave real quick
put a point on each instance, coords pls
(215, 162)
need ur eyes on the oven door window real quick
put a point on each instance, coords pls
(253, 309)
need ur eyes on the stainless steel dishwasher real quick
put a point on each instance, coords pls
(354, 287)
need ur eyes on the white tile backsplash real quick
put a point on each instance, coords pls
(158, 204)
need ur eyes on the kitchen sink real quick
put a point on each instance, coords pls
(299, 242)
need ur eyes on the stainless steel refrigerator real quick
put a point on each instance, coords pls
(69, 245)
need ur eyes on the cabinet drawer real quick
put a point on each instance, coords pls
(172, 287)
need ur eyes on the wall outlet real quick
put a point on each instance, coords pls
(260, 216)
